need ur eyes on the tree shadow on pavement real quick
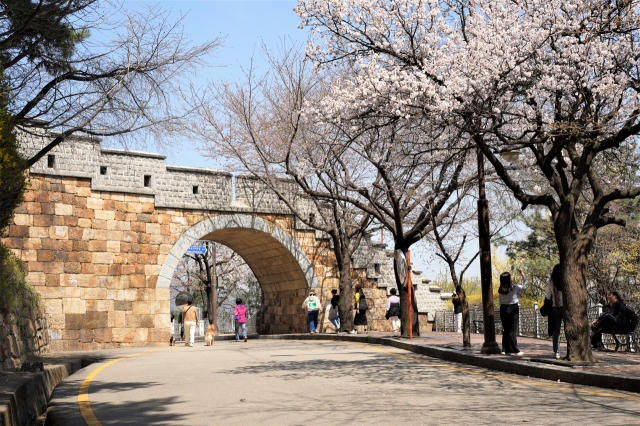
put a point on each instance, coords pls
(389, 376)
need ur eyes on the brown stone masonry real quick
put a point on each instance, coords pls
(95, 258)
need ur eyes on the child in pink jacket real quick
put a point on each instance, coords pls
(240, 318)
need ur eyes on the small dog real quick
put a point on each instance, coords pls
(208, 338)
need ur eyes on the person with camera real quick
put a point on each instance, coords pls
(510, 311)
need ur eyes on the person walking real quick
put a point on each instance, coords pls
(510, 311)
(457, 312)
(240, 318)
(361, 310)
(190, 319)
(393, 310)
(334, 312)
(312, 304)
(554, 293)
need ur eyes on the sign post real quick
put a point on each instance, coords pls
(197, 250)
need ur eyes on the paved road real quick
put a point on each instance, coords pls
(275, 382)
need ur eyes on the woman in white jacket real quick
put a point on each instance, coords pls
(312, 305)
(554, 292)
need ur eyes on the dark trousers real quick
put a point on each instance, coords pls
(509, 315)
(607, 323)
(312, 316)
(557, 326)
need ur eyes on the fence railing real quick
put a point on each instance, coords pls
(531, 323)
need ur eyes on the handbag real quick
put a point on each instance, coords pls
(362, 306)
(333, 313)
(547, 308)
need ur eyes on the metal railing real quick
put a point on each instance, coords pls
(531, 323)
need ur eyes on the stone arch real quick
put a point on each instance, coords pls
(280, 265)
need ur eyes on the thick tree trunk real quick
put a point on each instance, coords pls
(574, 257)
(345, 306)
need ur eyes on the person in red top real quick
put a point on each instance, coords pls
(240, 318)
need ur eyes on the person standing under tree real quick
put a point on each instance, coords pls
(361, 310)
(190, 319)
(457, 312)
(334, 312)
(554, 293)
(393, 310)
(510, 311)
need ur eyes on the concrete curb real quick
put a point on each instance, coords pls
(519, 367)
(24, 396)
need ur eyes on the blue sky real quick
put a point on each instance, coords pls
(244, 25)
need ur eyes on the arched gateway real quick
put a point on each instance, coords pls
(101, 231)
(280, 265)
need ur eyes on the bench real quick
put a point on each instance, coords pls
(629, 337)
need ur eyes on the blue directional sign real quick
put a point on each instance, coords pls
(197, 250)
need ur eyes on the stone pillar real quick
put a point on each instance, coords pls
(519, 320)
(536, 320)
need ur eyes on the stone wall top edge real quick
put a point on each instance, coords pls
(119, 190)
(38, 131)
(188, 169)
(53, 172)
(113, 151)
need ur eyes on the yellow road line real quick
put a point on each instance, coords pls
(502, 378)
(83, 394)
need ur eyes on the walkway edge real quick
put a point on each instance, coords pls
(522, 368)
(24, 397)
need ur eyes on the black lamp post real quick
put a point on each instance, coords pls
(490, 346)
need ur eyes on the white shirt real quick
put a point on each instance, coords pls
(513, 296)
(554, 295)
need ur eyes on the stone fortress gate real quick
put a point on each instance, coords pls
(102, 230)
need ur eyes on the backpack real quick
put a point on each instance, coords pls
(394, 310)
(362, 305)
(630, 320)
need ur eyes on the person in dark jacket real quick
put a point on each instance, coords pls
(609, 321)
(361, 310)
(335, 301)
(457, 312)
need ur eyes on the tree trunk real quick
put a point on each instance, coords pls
(466, 321)
(345, 306)
(573, 266)
(209, 291)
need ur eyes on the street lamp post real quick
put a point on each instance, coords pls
(214, 290)
(490, 346)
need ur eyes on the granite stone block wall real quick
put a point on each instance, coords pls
(98, 226)
(22, 334)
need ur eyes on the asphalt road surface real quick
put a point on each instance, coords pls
(287, 382)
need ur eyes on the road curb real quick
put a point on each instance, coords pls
(519, 367)
(24, 397)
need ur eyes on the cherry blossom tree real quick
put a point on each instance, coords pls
(257, 125)
(555, 80)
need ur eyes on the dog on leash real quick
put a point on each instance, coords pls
(208, 338)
